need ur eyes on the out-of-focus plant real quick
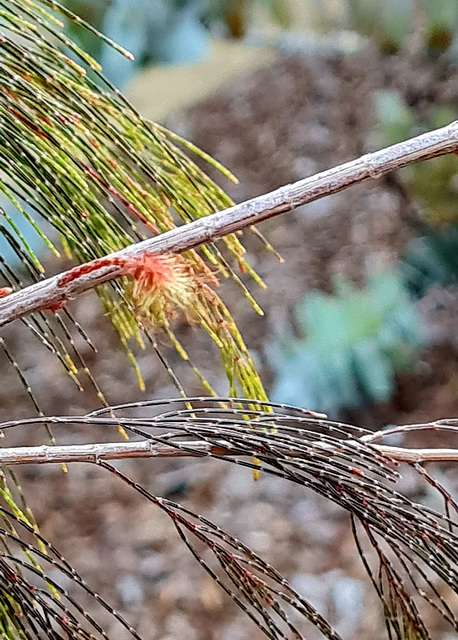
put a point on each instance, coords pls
(394, 120)
(155, 31)
(236, 15)
(389, 23)
(162, 31)
(432, 257)
(442, 24)
(432, 183)
(92, 12)
(432, 260)
(349, 345)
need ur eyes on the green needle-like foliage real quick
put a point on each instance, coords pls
(77, 154)
(91, 176)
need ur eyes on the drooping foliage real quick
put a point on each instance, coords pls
(82, 174)
(77, 157)
(409, 550)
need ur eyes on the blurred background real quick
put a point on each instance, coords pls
(360, 320)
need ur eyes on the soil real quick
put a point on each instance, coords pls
(277, 125)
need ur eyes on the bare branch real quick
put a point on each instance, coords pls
(418, 455)
(146, 449)
(49, 293)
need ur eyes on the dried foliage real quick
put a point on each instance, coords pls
(414, 558)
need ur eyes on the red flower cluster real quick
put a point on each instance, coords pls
(162, 284)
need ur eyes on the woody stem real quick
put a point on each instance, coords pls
(49, 293)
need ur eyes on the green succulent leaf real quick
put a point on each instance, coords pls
(350, 347)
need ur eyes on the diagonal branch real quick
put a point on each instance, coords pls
(49, 293)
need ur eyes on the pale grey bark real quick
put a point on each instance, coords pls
(65, 454)
(370, 166)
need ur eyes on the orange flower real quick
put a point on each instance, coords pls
(165, 285)
(162, 285)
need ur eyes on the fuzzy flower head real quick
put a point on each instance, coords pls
(163, 286)
(160, 286)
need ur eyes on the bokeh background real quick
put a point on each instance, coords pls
(360, 319)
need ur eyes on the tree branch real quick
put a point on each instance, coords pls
(146, 449)
(49, 293)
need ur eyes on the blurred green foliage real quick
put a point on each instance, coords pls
(432, 260)
(161, 31)
(154, 31)
(433, 183)
(389, 23)
(442, 24)
(349, 345)
(236, 15)
(92, 13)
